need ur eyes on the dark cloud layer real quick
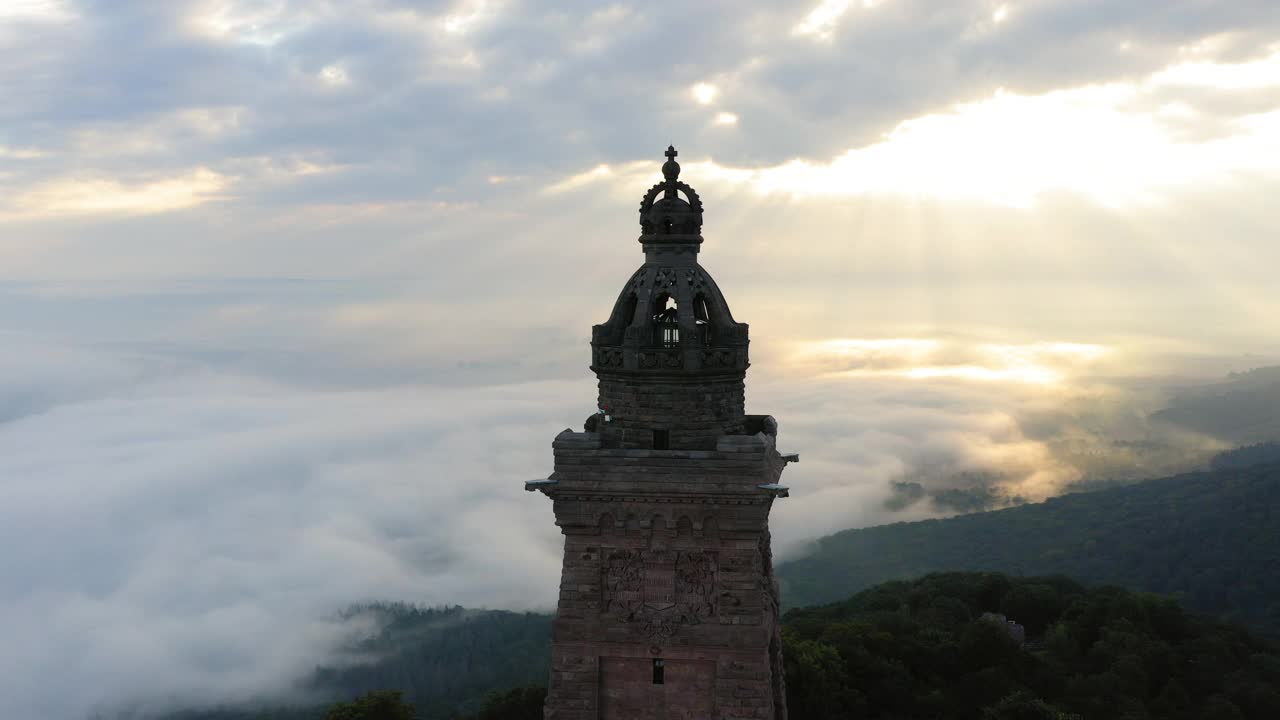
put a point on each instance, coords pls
(532, 90)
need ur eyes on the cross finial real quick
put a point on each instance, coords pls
(671, 170)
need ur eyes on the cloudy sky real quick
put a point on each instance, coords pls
(294, 294)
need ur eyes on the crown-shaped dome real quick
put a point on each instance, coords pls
(670, 317)
(665, 217)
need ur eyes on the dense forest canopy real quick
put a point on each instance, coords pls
(1257, 454)
(1207, 538)
(923, 649)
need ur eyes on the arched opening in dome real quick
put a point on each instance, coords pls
(678, 196)
(666, 323)
(702, 318)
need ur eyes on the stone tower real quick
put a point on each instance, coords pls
(668, 604)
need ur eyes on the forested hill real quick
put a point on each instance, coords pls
(444, 660)
(930, 648)
(1241, 410)
(1210, 539)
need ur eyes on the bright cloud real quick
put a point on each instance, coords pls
(726, 118)
(1039, 363)
(35, 10)
(581, 179)
(1011, 148)
(1103, 142)
(334, 75)
(20, 153)
(822, 19)
(105, 195)
(1250, 75)
(253, 22)
(467, 16)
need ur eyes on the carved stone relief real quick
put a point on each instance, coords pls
(608, 357)
(717, 358)
(659, 589)
(661, 359)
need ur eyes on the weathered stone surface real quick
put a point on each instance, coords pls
(668, 606)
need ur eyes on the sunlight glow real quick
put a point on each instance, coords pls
(704, 93)
(595, 174)
(726, 118)
(1006, 150)
(1038, 363)
(1000, 14)
(871, 348)
(1011, 148)
(1030, 374)
(1038, 352)
(1263, 73)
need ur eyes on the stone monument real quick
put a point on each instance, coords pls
(668, 604)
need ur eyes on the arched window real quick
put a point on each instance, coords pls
(666, 322)
(684, 527)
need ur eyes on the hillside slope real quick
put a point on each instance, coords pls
(1211, 539)
(1242, 409)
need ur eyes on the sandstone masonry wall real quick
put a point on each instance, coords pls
(666, 557)
(694, 412)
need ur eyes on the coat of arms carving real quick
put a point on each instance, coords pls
(659, 588)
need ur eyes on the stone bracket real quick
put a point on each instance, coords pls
(531, 485)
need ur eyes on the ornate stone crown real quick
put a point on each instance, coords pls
(670, 218)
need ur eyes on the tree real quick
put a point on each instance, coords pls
(516, 704)
(1022, 705)
(817, 682)
(376, 705)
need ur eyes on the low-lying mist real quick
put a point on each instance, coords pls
(185, 528)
